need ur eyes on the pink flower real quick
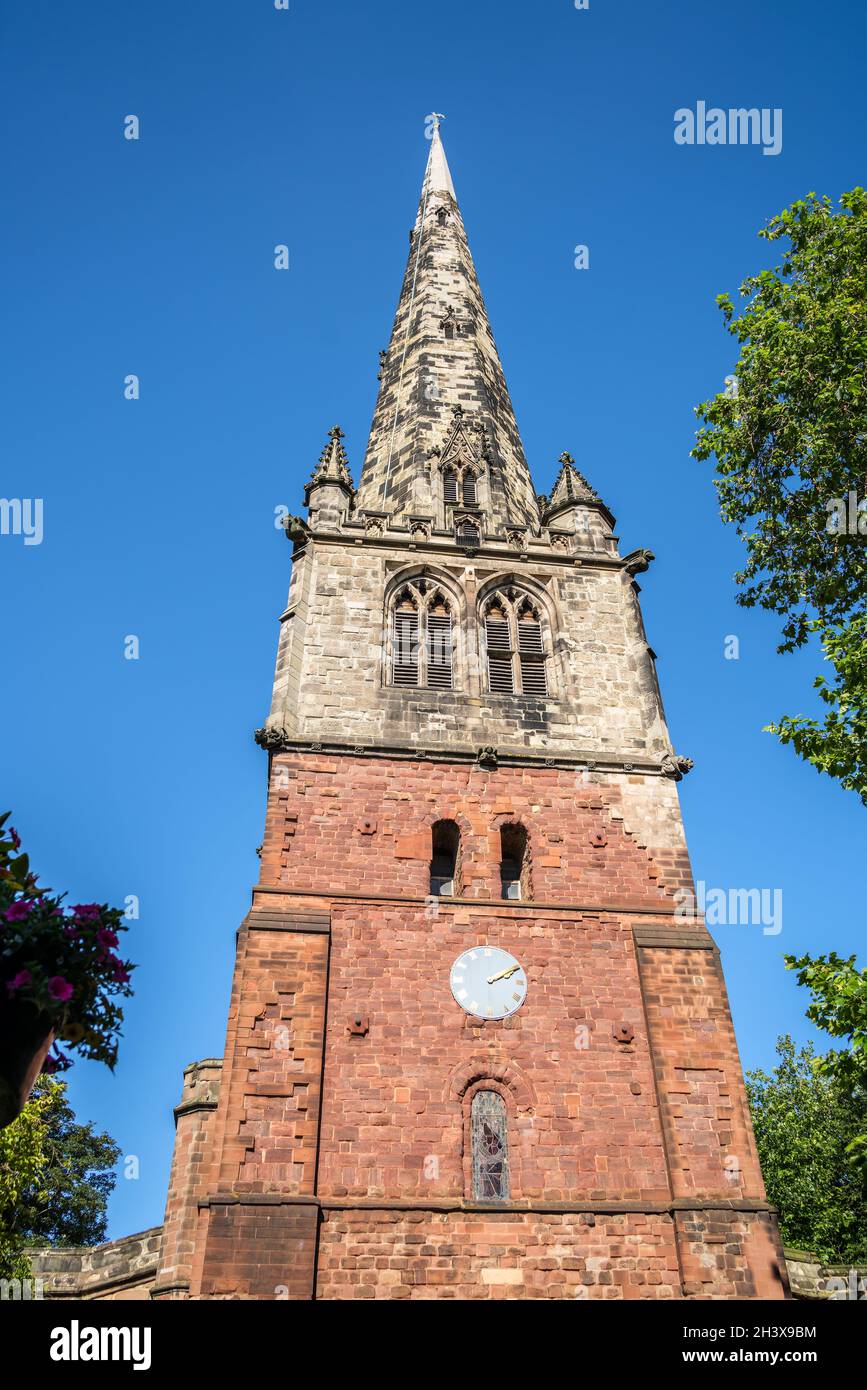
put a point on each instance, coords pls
(59, 988)
(19, 981)
(56, 1061)
(14, 837)
(18, 910)
(106, 938)
(87, 911)
(119, 973)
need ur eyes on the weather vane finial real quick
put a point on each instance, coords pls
(434, 121)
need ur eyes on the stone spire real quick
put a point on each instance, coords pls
(442, 355)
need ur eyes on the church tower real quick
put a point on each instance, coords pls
(476, 1047)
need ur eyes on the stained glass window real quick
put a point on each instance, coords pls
(490, 1147)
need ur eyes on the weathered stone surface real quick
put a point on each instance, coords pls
(119, 1269)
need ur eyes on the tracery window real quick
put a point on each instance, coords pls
(489, 1138)
(422, 637)
(515, 646)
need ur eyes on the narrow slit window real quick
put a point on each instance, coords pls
(469, 490)
(445, 844)
(513, 862)
(488, 1126)
(450, 488)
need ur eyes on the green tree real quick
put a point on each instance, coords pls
(789, 437)
(22, 1163)
(839, 1008)
(804, 1122)
(67, 1204)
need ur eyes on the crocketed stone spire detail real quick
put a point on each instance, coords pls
(442, 354)
(570, 487)
(333, 465)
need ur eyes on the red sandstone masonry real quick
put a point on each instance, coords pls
(319, 804)
(495, 1256)
(315, 1111)
(194, 1126)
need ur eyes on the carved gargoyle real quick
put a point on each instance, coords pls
(296, 529)
(675, 766)
(487, 756)
(270, 738)
(638, 561)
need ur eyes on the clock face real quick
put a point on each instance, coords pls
(488, 982)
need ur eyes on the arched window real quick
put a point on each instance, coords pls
(467, 532)
(445, 857)
(422, 637)
(489, 1137)
(514, 867)
(450, 487)
(514, 645)
(469, 490)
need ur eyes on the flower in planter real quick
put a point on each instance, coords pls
(58, 964)
(56, 1061)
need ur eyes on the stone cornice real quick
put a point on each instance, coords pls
(276, 740)
(611, 907)
(625, 1207)
(537, 553)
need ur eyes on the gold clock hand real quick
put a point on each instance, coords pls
(503, 975)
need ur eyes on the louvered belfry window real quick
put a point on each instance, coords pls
(515, 647)
(439, 647)
(499, 644)
(469, 490)
(490, 1147)
(450, 488)
(468, 532)
(422, 638)
(531, 653)
(406, 644)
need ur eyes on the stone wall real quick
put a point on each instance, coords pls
(811, 1278)
(119, 1269)
(349, 1067)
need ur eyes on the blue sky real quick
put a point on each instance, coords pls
(155, 257)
